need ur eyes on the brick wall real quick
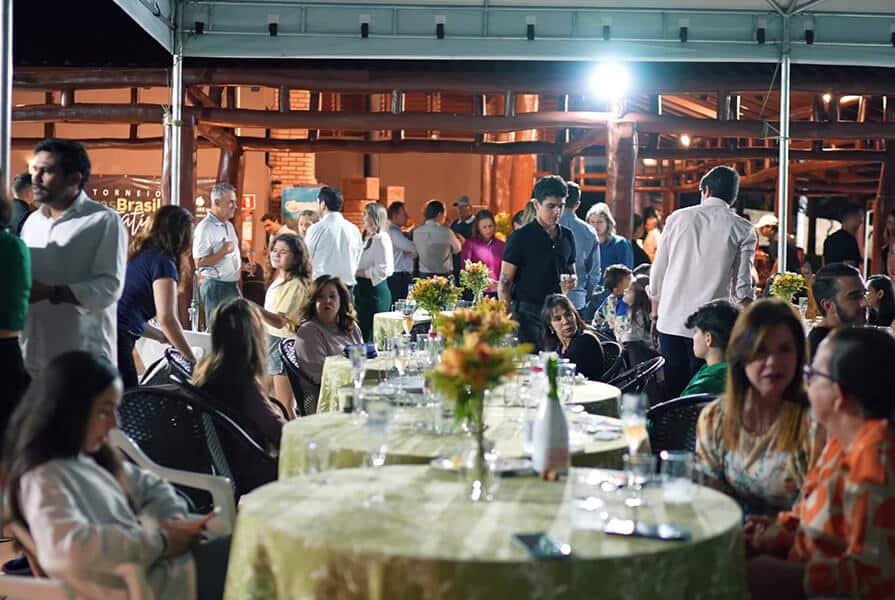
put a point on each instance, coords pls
(289, 169)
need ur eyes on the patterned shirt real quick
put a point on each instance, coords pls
(761, 478)
(613, 314)
(843, 528)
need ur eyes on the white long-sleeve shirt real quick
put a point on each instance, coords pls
(403, 249)
(83, 528)
(705, 253)
(377, 261)
(86, 250)
(335, 245)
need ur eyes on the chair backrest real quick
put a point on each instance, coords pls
(304, 389)
(613, 358)
(181, 368)
(165, 425)
(672, 424)
(634, 380)
(230, 442)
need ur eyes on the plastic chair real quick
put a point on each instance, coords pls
(672, 425)
(613, 355)
(304, 389)
(171, 432)
(633, 381)
(181, 369)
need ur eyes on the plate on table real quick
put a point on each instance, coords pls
(506, 467)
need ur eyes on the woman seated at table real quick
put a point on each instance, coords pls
(329, 324)
(232, 375)
(483, 246)
(881, 301)
(87, 510)
(568, 335)
(155, 259)
(757, 442)
(377, 264)
(837, 540)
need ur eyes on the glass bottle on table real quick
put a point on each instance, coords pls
(550, 431)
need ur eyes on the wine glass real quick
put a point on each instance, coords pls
(402, 356)
(378, 422)
(407, 320)
(633, 414)
(358, 356)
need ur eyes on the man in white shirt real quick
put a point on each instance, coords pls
(334, 242)
(705, 253)
(78, 256)
(404, 251)
(273, 227)
(216, 251)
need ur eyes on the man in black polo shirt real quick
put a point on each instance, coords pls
(534, 258)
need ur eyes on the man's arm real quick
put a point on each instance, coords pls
(106, 281)
(505, 283)
(402, 243)
(744, 291)
(454, 240)
(215, 257)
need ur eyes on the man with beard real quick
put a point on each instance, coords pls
(839, 291)
(535, 258)
(78, 252)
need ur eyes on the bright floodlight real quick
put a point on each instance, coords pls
(610, 81)
(685, 139)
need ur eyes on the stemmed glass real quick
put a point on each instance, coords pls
(407, 311)
(317, 460)
(378, 422)
(358, 356)
(633, 415)
(402, 355)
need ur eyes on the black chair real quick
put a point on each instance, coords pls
(304, 389)
(614, 358)
(635, 380)
(672, 424)
(168, 429)
(181, 370)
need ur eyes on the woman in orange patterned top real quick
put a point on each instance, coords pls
(757, 442)
(838, 539)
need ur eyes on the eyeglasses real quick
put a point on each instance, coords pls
(808, 372)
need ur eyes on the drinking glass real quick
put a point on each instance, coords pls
(803, 308)
(566, 377)
(677, 476)
(407, 316)
(633, 415)
(317, 460)
(358, 356)
(379, 413)
(399, 306)
(640, 470)
(402, 355)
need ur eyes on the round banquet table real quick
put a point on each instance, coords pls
(300, 539)
(347, 440)
(595, 397)
(391, 324)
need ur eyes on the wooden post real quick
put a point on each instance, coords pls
(883, 204)
(621, 168)
(811, 242)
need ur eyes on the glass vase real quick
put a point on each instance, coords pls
(478, 473)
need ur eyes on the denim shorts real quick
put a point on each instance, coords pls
(274, 358)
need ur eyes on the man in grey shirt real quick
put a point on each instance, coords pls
(587, 249)
(435, 243)
(404, 250)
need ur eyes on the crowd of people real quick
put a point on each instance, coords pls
(799, 433)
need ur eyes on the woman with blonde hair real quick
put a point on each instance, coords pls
(232, 375)
(156, 258)
(286, 293)
(758, 441)
(377, 264)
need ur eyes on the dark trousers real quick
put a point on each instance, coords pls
(531, 328)
(211, 560)
(126, 365)
(680, 362)
(13, 377)
(398, 284)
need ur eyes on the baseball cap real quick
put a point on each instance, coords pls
(463, 201)
(767, 220)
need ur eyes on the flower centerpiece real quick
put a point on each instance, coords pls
(787, 285)
(476, 277)
(504, 225)
(434, 294)
(473, 362)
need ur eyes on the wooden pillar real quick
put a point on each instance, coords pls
(812, 231)
(524, 166)
(621, 168)
(883, 204)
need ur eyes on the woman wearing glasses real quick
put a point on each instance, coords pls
(757, 441)
(837, 540)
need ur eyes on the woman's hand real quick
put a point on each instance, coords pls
(181, 533)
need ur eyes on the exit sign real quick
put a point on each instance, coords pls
(248, 201)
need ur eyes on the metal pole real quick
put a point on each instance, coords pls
(5, 91)
(783, 187)
(176, 113)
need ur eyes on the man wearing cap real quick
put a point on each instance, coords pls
(767, 227)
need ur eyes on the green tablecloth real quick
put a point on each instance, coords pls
(347, 440)
(336, 374)
(300, 540)
(391, 324)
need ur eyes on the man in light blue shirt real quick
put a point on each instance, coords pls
(587, 252)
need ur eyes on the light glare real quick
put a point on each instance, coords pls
(610, 81)
(685, 139)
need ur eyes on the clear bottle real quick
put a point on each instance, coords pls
(550, 431)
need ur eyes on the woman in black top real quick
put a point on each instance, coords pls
(568, 335)
(881, 298)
